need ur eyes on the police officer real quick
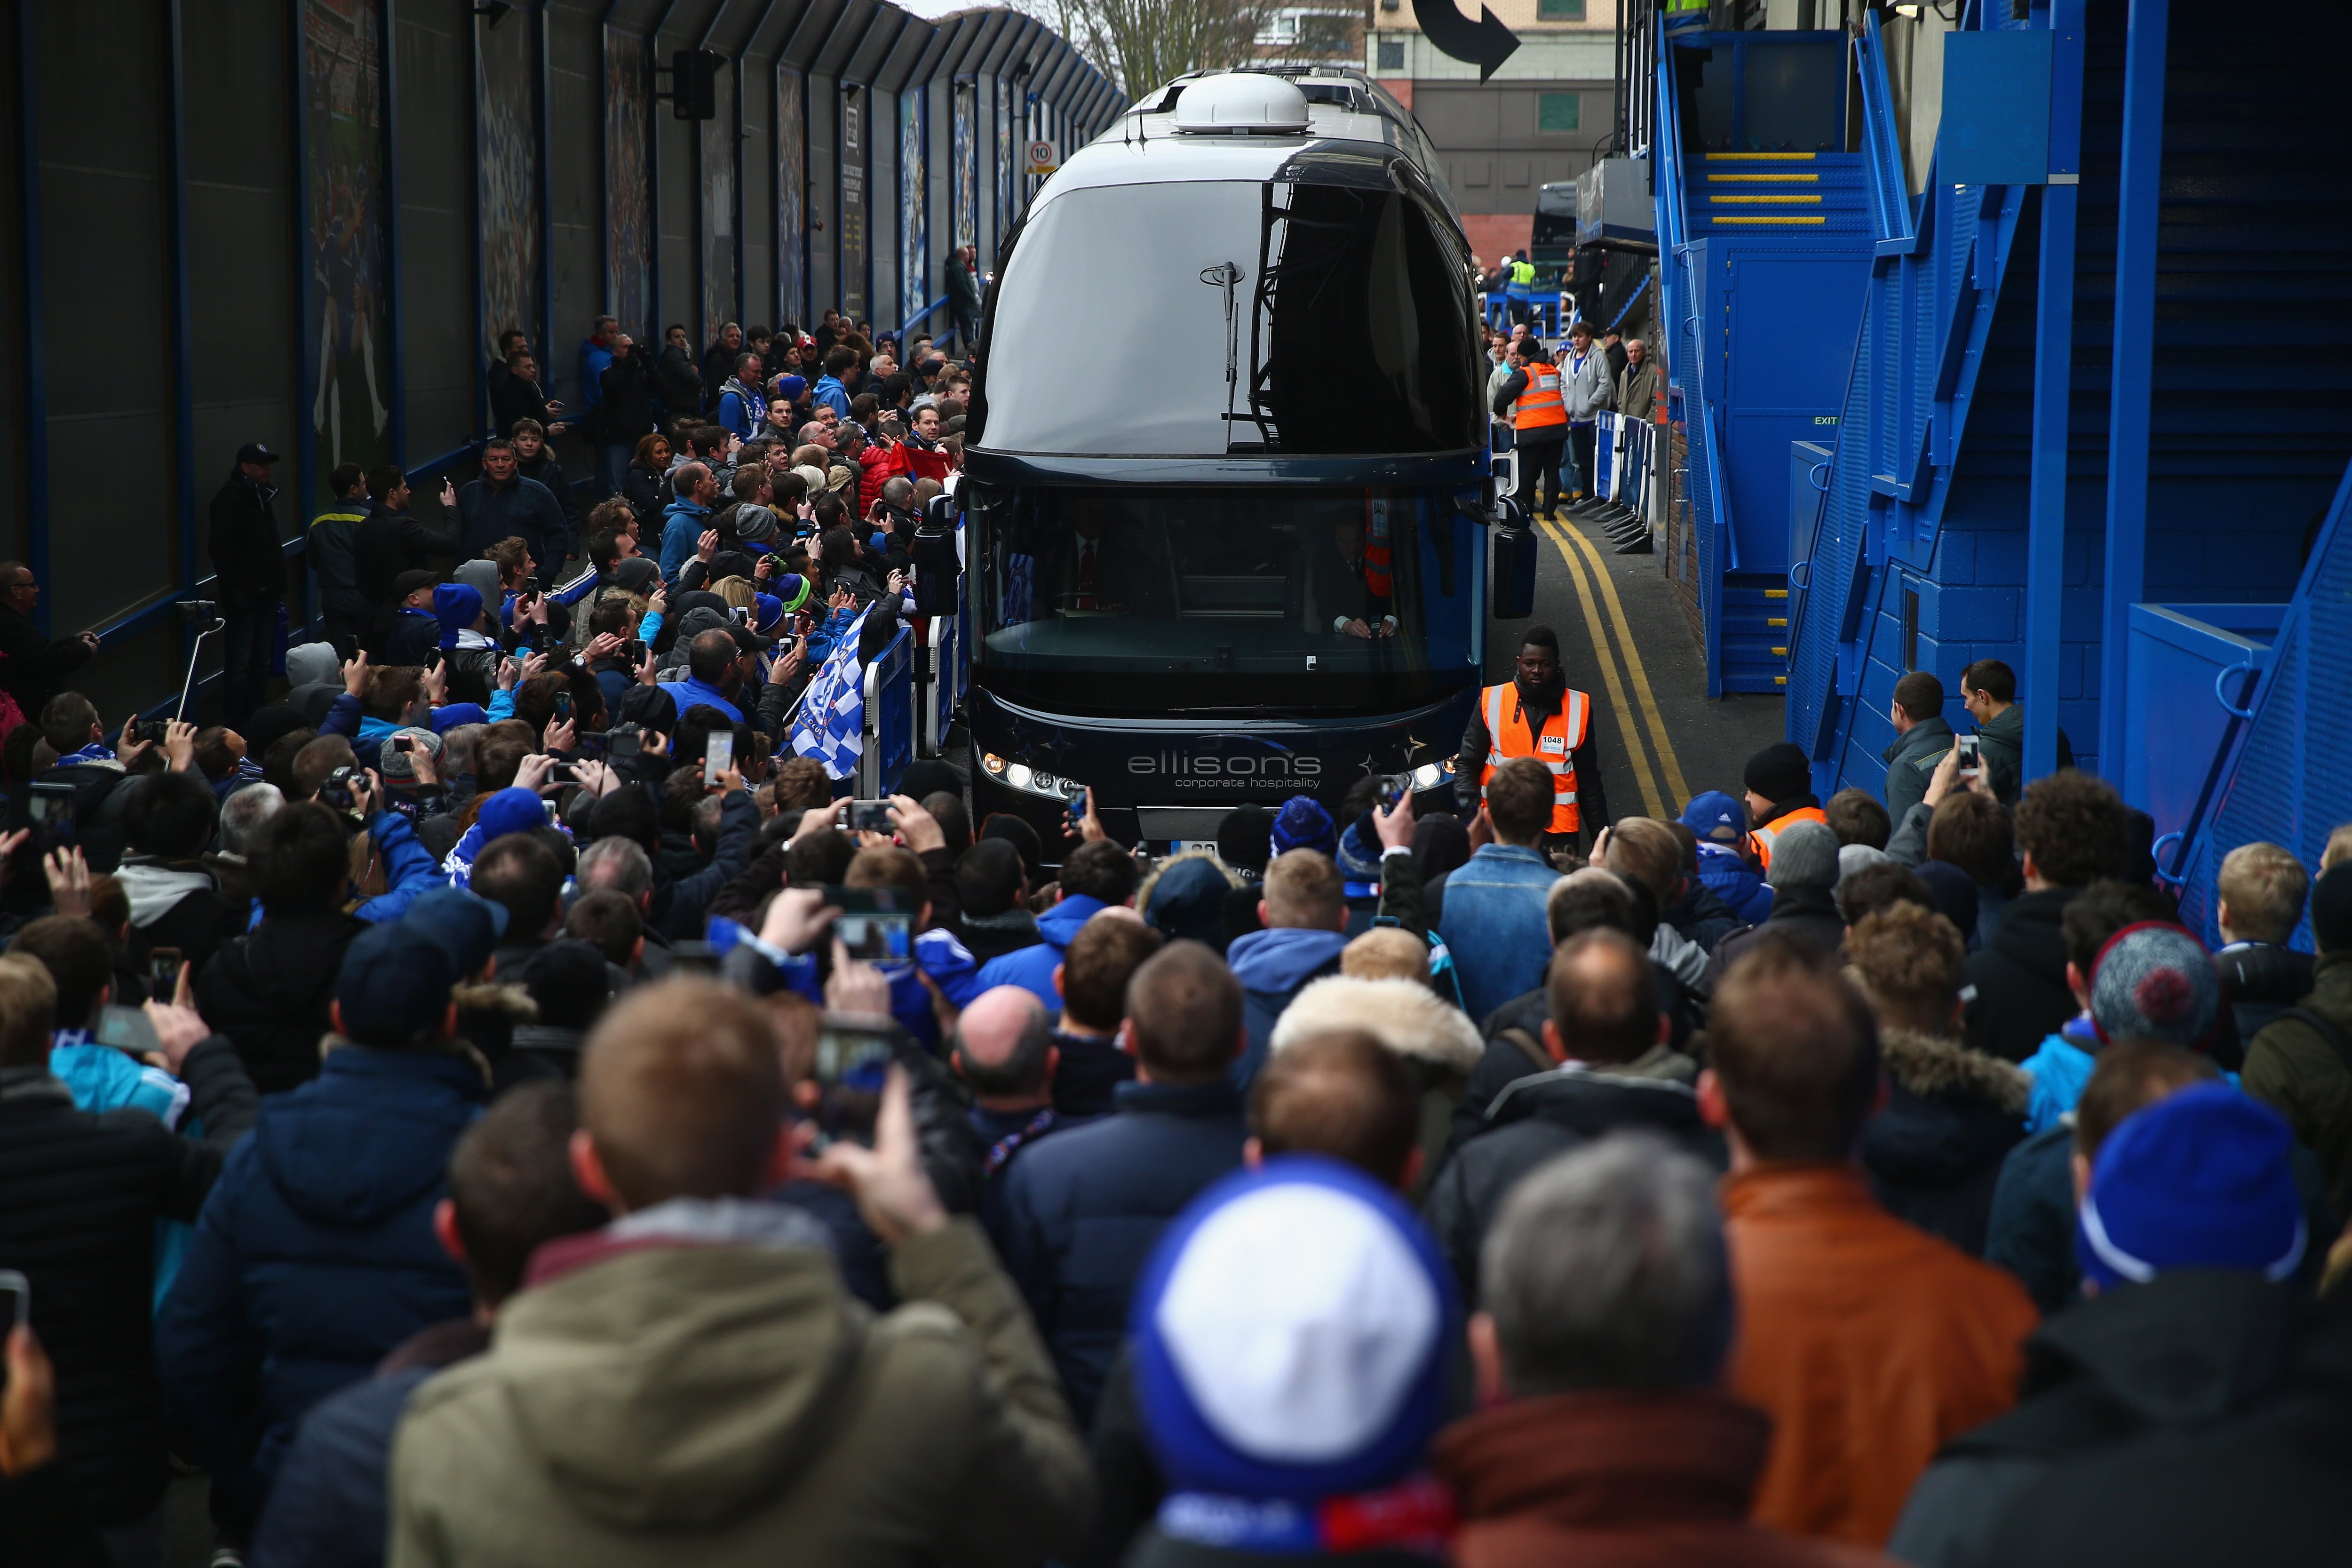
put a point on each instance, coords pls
(1537, 715)
(1533, 398)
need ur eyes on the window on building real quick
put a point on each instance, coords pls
(1392, 55)
(1558, 111)
(1559, 10)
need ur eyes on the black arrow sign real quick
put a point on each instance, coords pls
(1486, 43)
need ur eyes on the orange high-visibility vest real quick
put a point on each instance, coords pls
(1551, 742)
(1762, 837)
(1540, 404)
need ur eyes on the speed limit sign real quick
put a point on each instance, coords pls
(1043, 157)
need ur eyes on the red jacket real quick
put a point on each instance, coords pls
(874, 466)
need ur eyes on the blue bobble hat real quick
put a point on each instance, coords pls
(1303, 825)
(1716, 817)
(2198, 1180)
(457, 605)
(767, 613)
(1291, 1333)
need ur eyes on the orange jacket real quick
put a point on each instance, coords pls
(1762, 837)
(1868, 1342)
(1509, 735)
(1541, 403)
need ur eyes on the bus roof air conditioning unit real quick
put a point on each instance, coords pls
(1241, 103)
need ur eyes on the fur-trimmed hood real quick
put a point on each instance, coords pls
(1931, 1065)
(1405, 1016)
(511, 1003)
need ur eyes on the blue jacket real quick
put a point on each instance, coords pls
(1032, 968)
(409, 868)
(594, 361)
(741, 410)
(682, 528)
(412, 637)
(2061, 1069)
(329, 1509)
(315, 1254)
(344, 718)
(1273, 966)
(1493, 923)
(829, 391)
(691, 693)
(1083, 1208)
(525, 509)
(1736, 882)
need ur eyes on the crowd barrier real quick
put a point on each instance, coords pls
(1549, 313)
(1626, 453)
(889, 733)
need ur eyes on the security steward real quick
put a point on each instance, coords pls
(1520, 290)
(1779, 791)
(1536, 715)
(1532, 398)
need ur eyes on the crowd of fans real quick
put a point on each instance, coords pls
(463, 1107)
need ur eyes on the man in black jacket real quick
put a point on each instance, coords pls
(248, 552)
(31, 666)
(624, 411)
(535, 459)
(392, 541)
(1617, 1071)
(2070, 827)
(79, 1196)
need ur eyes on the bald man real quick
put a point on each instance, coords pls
(1003, 1049)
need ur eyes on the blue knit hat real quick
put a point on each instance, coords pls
(767, 610)
(790, 387)
(1716, 817)
(1303, 825)
(2153, 981)
(1291, 1334)
(2198, 1180)
(457, 605)
(508, 811)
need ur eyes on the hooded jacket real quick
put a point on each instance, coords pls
(1700, 915)
(268, 991)
(1274, 966)
(1738, 884)
(1031, 967)
(2178, 1353)
(2261, 980)
(1933, 1151)
(1542, 1116)
(2020, 975)
(684, 1387)
(1436, 1041)
(315, 1254)
(2304, 1076)
(1617, 1479)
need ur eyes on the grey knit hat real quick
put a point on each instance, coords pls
(2154, 981)
(395, 764)
(1854, 858)
(1804, 855)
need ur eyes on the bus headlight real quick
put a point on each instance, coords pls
(991, 764)
(1029, 780)
(1431, 775)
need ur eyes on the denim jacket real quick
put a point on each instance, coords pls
(1493, 922)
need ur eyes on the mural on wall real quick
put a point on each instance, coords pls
(628, 193)
(853, 206)
(506, 171)
(721, 297)
(964, 153)
(342, 99)
(792, 190)
(914, 236)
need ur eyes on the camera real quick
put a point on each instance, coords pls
(199, 612)
(335, 790)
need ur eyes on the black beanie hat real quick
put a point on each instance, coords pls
(2331, 908)
(1780, 772)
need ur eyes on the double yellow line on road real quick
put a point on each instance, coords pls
(1664, 790)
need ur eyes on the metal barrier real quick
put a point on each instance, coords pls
(887, 742)
(1625, 452)
(1549, 313)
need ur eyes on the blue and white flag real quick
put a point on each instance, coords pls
(831, 723)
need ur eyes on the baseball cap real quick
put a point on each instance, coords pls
(407, 583)
(255, 452)
(1291, 1333)
(395, 985)
(1716, 817)
(2198, 1180)
(466, 924)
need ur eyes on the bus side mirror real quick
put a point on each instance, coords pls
(1515, 548)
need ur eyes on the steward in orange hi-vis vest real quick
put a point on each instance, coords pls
(1537, 715)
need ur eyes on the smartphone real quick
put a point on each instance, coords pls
(164, 973)
(554, 817)
(530, 587)
(1393, 789)
(1971, 754)
(717, 754)
(870, 816)
(741, 614)
(16, 1293)
(623, 743)
(636, 652)
(563, 708)
(877, 925)
(126, 1029)
(403, 743)
(1077, 811)
(149, 732)
(853, 1063)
